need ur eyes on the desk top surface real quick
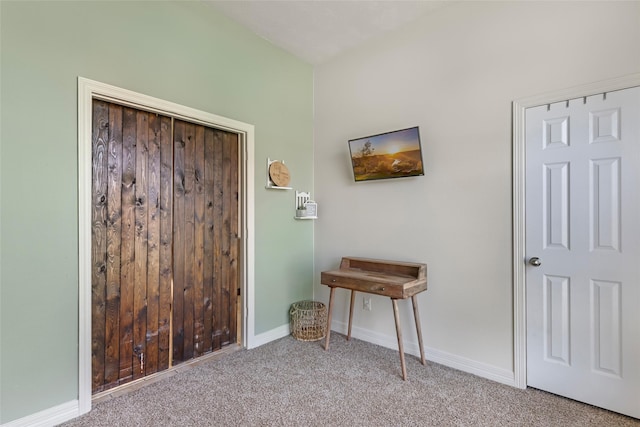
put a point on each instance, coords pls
(396, 279)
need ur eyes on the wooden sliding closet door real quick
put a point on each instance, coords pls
(131, 244)
(205, 235)
(164, 242)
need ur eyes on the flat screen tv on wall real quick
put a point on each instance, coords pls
(396, 154)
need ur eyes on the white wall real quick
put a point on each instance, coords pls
(454, 74)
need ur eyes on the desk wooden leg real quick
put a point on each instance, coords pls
(353, 299)
(396, 315)
(414, 301)
(326, 341)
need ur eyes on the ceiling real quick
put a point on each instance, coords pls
(317, 30)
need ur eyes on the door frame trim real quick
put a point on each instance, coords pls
(87, 91)
(518, 187)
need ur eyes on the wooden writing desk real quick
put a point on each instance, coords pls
(395, 279)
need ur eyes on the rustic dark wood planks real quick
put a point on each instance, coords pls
(178, 240)
(189, 236)
(164, 242)
(205, 239)
(100, 140)
(132, 265)
(209, 224)
(141, 246)
(114, 231)
(218, 190)
(227, 241)
(127, 252)
(232, 140)
(198, 242)
(153, 245)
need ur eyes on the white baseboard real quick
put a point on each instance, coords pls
(460, 363)
(267, 337)
(49, 417)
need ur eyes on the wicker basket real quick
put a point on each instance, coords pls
(308, 320)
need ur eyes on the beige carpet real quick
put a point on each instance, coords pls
(292, 383)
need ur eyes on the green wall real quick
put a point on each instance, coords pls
(184, 52)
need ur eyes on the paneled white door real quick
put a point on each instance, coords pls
(583, 249)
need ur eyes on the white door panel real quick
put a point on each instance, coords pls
(583, 223)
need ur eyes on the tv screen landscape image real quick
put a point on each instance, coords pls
(396, 154)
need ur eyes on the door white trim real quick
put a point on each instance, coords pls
(89, 89)
(518, 111)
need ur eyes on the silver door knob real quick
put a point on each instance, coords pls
(535, 261)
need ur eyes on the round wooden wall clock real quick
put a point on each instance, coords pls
(279, 174)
